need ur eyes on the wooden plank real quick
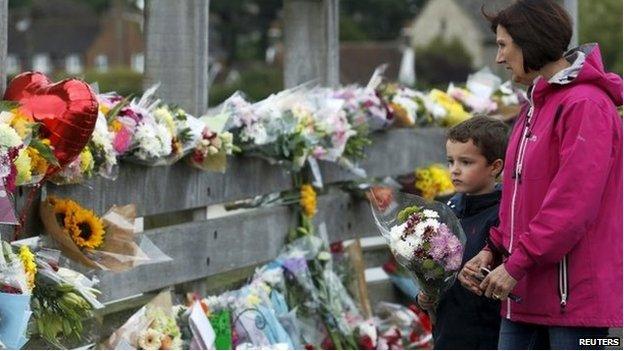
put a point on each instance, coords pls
(180, 187)
(176, 43)
(311, 48)
(4, 22)
(395, 152)
(206, 248)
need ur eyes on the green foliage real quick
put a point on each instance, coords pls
(375, 19)
(257, 83)
(601, 21)
(405, 214)
(442, 61)
(123, 80)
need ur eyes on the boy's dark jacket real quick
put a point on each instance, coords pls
(463, 319)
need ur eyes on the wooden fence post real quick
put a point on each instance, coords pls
(176, 39)
(311, 43)
(4, 33)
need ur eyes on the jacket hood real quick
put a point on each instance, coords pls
(587, 68)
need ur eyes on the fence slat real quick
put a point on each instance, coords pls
(311, 48)
(202, 249)
(180, 187)
(4, 33)
(176, 40)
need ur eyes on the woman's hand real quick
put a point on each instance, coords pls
(498, 284)
(425, 302)
(468, 275)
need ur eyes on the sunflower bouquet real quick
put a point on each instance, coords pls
(106, 243)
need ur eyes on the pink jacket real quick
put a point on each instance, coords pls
(561, 208)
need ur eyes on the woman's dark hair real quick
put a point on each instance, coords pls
(541, 28)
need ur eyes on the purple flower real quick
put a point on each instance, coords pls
(453, 262)
(439, 247)
(295, 265)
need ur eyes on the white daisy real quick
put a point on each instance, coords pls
(431, 214)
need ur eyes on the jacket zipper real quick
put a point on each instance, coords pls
(518, 176)
(563, 283)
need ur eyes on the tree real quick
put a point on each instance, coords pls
(601, 21)
(374, 19)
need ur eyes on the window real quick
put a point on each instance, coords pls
(101, 63)
(41, 63)
(138, 62)
(13, 64)
(73, 64)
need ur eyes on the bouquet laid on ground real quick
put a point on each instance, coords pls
(401, 328)
(424, 236)
(196, 331)
(62, 299)
(17, 280)
(107, 243)
(153, 327)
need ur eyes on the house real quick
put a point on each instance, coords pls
(66, 35)
(460, 19)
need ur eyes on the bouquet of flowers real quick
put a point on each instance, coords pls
(508, 100)
(153, 327)
(195, 328)
(28, 162)
(62, 299)
(425, 237)
(17, 279)
(214, 144)
(145, 133)
(402, 328)
(433, 181)
(106, 243)
(77, 171)
(280, 129)
(471, 101)
(449, 111)
(339, 141)
(402, 104)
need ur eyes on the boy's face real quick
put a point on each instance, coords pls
(470, 171)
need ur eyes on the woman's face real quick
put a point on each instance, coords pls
(510, 55)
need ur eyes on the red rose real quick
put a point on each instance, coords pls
(336, 247)
(366, 343)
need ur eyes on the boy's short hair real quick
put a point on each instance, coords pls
(488, 134)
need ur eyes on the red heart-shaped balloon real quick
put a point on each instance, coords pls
(67, 110)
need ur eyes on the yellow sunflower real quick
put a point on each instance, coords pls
(62, 208)
(308, 200)
(85, 228)
(30, 267)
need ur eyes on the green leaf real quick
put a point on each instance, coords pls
(6, 105)
(112, 113)
(45, 151)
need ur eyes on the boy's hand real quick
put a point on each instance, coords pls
(425, 302)
(467, 276)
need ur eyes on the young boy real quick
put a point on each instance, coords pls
(475, 151)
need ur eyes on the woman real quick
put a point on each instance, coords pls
(560, 232)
